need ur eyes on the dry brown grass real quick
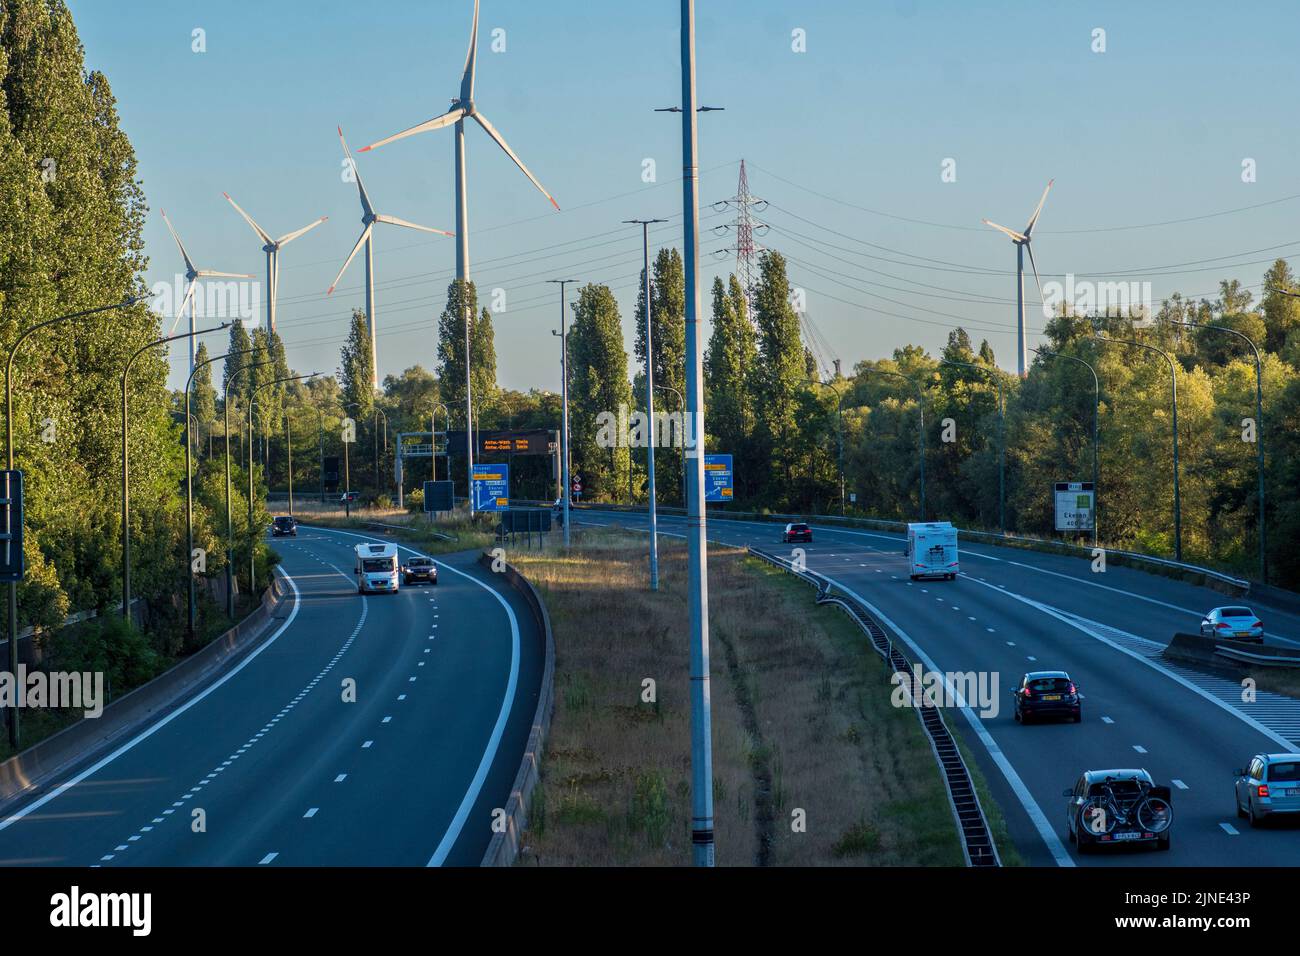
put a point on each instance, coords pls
(801, 722)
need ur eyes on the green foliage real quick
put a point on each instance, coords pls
(356, 368)
(598, 390)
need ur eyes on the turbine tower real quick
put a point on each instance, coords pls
(193, 274)
(272, 249)
(462, 108)
(1021, 241)
(368, 219)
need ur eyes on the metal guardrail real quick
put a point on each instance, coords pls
(900, 527)
(978, 847)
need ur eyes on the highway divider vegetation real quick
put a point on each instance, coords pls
(812, 763)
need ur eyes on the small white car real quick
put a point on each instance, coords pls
(1235, 623)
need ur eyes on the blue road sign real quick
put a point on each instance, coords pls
(717, 478)
(491, 487)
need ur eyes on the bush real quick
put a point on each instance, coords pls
(109, 645)
(415, 501)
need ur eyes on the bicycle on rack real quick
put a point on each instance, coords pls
(1118, 806)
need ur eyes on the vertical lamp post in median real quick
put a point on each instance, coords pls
(189, 489)
(230, 524)
(252, 547)
(564, 390)
(126, 474)
(645, 225)
(839, 431)
(1173, 385)
(126, 303)
(920, 435)
(1096, 417)
(1259, 430)
(1002, 443)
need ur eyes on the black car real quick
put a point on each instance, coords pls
(284, 525)
(796, 532)
(420, 569)
(1047, 694)
(1108, 807)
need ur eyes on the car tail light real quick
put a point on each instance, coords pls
(953, 565)
(1028, 692)
(1073, 689)
(1263, 790)
(1258, 624)
(1222, 627)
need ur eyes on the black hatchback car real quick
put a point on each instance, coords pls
(1047, 694)
(796, 532)
(420, 569)
(284, 525)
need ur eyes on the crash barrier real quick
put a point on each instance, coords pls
(1240, 585)
(504, 845)
(978, 847)
(38, 763)
(1214, 652)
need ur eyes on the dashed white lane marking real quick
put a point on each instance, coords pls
(267, 859)
(401, 697)
(1107, 720)
(970, 617)
(367, 744)
(311, 812)
(1229, 829)
(1139, 748)
(990, 630)
(1031, 658)
(1011, 643)
(386, 719)
(1179, 784)
(340, 778)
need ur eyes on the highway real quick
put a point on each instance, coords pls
(1012, 611)
(284, 770)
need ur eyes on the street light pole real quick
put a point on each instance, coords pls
(1096, 417)
(1002, 445)
(126, 484)
(564, 389)
(645, 225)
(230, 525)
(189, 488)
(1173, 383)
(9, 449)
(1259, 431)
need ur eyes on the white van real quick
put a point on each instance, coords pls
(376, 567)
(932, 550)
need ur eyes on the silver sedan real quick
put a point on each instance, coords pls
(1233, 623)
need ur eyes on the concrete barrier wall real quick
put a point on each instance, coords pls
(504, 846)
(34, 766)
(1228, 655)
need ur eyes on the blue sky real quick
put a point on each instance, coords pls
(841, 140)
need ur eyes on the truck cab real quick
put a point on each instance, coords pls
(376, 568)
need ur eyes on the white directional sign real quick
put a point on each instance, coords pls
(1076, 503)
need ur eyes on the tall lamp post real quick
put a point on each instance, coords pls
(839, 410)
(1096, 417)
(1259, 429)
(126, 303)
(189, 488)
(126, 480)
(230, 525)
(920, 434)
(1002, 444)
(1173, 386)
(564, 389)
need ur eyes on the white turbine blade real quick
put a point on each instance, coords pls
(1037, 209)
(212, 274)
(1010, 232)
(467, 78)
(249, 219)
(365, 199)
(1030, 249)
(438, 122)
(189, 263)
(393, 220)
(491, 131)
(291, 236)
(189, 294)
(365, 234)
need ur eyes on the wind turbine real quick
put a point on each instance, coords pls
(462, 108)
(1021, 241)
(272, 249)
(193, 274)
(368, 219)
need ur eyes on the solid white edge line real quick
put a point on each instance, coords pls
(494, 741)
(95, 768)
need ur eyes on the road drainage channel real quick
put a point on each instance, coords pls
(977, 842)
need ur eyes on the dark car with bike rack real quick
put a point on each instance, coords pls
(1109, 807)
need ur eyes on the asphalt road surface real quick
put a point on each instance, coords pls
(282, 771)
(1013, 611)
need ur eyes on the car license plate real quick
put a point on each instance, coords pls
(1243, 633)
(1291, 793)
(1128, 836)
(1052, 697)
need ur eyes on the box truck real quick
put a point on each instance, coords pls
(376, 567)
(932, 550)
